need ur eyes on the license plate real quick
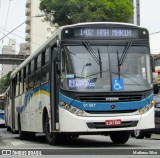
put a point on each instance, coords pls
(113, 122)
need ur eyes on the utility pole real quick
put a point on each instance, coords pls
(138, 11)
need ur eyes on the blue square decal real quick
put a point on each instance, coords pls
(117, 84)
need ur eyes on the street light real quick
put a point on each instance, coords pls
(88, 64)
(39, 15)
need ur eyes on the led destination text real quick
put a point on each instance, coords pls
(102, 33)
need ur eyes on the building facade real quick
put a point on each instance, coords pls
(8, 49)
(37, 30)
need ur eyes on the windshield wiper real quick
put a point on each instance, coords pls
(123, 57)
(94, 55)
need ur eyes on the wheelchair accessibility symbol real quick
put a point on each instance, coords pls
(117, 84)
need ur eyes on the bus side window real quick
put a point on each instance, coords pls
(21, 82)
(31, 74)
(17, 84)
(38, 71)
(45, 73)
(45, 66)
(26, 78)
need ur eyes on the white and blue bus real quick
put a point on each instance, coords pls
(2, 107)
(88, 78)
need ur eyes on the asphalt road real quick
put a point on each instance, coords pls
(84, 145)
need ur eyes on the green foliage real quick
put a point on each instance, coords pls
(5, 82)
(75, 11)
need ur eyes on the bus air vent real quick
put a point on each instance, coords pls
(118, 98)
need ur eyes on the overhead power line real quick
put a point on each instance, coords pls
(19, 26)
(7, 16)
(155, 33)
(8, 29)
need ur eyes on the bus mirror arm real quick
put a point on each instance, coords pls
(58, 67)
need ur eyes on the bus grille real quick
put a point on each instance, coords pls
(112, 112)
(118, 98)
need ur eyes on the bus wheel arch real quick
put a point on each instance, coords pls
(51, 137)
(45, 112)
(22, 134)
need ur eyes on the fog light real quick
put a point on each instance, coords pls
(67, 107)
(80, 112)
(73, 110)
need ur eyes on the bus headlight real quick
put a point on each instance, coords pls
(146, 108)
(72, 109)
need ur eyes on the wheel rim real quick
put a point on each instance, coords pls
(137, 132)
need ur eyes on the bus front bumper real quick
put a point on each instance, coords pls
(69, 122)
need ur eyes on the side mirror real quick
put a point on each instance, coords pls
(157, 105)
(155, 89)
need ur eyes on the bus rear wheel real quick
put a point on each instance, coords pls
(120, 137)
(51, 138)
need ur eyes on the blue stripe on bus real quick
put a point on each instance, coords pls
(30, 94)
(95, 106)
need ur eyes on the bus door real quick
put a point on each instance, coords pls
(13, 91)
(54, 88)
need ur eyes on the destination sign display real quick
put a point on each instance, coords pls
(100, 33)
(104, 32)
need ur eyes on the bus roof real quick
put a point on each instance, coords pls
(57, 32)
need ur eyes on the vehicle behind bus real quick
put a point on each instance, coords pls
(2, 106)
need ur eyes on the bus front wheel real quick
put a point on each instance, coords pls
(120, 137)
(22, 134)
(51, 138)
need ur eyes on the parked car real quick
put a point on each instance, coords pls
(140, 134)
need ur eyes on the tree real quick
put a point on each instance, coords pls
(65, 12)
(5, 82)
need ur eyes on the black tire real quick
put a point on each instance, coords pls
(148, 135)
(22, 134)
(8, 129)
(31, 135)
(51, 138)
(138, 134)
(120, 137)
(75, 136)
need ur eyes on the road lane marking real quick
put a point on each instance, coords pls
(16, 143)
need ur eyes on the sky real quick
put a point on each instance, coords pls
(12, 13)
(15, 15)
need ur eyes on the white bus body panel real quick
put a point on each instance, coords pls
(72, 123)
(31, 117)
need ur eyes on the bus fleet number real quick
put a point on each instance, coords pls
(89, 105)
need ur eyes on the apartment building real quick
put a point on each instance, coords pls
(8, 49)
(37, 30)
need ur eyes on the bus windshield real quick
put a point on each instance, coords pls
(94, 68)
